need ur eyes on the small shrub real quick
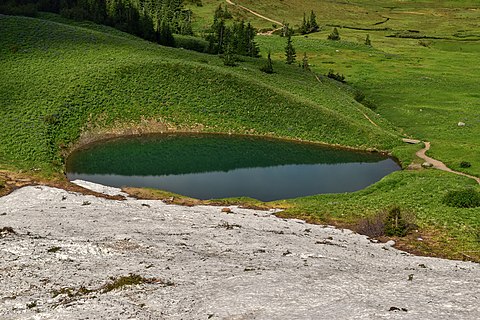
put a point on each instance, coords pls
(359, 96)
(397, 224)
(391, 222)
(336, 76)
(467, 198)
(268, 67)
(130, 280)
(372, 227)
(334, 35)
(465, 164)
(368, 42)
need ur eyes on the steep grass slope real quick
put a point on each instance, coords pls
(59, 80)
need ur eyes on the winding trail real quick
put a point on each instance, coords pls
(255, 13)
(439, 164)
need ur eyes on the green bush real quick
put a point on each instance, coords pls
(396, 223)
(465, 164)
(335, 36)
(467, 198)
(336, 76)
(391, 222)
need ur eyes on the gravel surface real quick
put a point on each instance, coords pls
(202, 263)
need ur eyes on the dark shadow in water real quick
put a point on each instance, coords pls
(219, 166)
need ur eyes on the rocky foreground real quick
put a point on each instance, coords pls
(65, 255)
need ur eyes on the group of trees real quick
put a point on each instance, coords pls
(153, 20)
(310, 24)
(290, 55)
(237, 38)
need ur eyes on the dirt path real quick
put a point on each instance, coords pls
(439, 164)
(255, 13)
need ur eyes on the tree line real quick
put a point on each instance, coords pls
(153, 20)
(230, 39)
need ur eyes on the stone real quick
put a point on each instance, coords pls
(461, 124)
(390, 243)
(185, 246)
(427, 165)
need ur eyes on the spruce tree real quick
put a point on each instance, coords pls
(165, 36)
(303, 27)
(290, 51)
(334, 35)
(313, 22)
(252, 47)
(305, 65)
(229, 56)
(367, 40)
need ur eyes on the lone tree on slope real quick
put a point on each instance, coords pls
(290, 51)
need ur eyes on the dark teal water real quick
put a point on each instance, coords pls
(219, 166)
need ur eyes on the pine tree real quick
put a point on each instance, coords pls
(305, 64)
(165, 36)
(229, 56)
(303, 28)
(367, 40)
(290, 51)
(252, 47)
(268, 67)
(334, 35)
(313, 22)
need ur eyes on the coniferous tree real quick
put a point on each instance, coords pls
(165, 36)
(305, 64)
(368, 42)
(303, 28)
(313, 22)
(252, 48)
(229, 56)
(334, 35)
(290, 53)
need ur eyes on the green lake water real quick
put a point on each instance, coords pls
(208, 166)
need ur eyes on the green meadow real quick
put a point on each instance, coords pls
(62, 80)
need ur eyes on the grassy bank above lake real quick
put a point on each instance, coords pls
(60, 81)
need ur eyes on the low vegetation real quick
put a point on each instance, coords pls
(466, 198)
(392, 222)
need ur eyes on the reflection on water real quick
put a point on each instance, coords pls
(218, 166)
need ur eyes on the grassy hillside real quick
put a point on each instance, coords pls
(60, 80)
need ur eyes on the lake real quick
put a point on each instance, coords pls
(212, 166)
